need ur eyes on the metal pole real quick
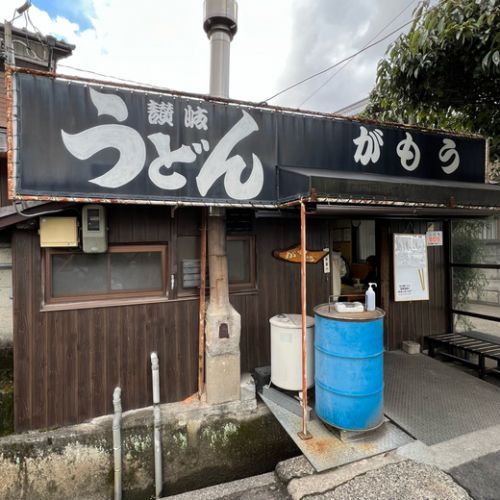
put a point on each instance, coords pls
(117, 444)
(155, 374)
(219, 64)
(220, 25)
(304, 434)
(201, 326)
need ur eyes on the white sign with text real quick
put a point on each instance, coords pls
(411, 274)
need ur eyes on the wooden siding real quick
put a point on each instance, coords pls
(278, 285)
(67, 363)
(4, 197)
(412, 320)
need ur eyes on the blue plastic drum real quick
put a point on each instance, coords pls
(349, 368)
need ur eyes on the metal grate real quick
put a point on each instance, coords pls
(435, 402)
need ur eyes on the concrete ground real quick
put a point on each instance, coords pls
(459, 469)
(464, 467)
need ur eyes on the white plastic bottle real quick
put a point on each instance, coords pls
(370, 297)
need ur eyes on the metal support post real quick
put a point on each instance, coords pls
(304, 434)
(201, 326)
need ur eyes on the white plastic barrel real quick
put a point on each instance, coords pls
(286, 351)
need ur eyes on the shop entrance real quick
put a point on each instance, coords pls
(366, 248)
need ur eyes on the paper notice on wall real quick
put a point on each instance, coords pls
(434, 238)
(411, 276)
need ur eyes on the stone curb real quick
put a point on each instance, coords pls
(320, 483)
(223, 490)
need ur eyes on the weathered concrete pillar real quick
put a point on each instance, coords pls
(223, 323)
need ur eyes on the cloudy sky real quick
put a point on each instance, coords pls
(279, 42)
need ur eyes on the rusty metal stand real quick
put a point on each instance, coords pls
(201, 325)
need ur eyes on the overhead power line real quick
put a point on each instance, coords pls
(330, 78)
(337, 63)
(112, 78)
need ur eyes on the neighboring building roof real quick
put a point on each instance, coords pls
(354, 108)
(34, 49)
(23, 211)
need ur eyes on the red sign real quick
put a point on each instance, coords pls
(434, 238)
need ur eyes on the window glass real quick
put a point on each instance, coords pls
(476, 290)
(476, 241)
(238, 260)
(475, 274)
(122, 270)
(365, 239)
(479, 326)
(78, 274)
(136, 271)
(188, 263)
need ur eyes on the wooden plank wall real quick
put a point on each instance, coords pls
(278, 285)
(412, 320)
(4, 197)
(67, 363)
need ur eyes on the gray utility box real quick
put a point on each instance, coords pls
(94, 230)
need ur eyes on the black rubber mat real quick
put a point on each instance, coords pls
(434, 401)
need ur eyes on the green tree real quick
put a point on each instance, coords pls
(445, 73)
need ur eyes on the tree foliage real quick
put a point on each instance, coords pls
(445, 72)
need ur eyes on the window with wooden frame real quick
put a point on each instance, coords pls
(240, 261)
(123, 272)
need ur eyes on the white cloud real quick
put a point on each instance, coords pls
(327, 32)
(163, 43)
(278, 43)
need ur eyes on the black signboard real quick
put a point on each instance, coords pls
(79, 140)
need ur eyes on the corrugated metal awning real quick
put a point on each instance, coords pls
(407, 195)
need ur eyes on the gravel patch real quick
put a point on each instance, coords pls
(403, 480)
(265, 493)
(292, 468)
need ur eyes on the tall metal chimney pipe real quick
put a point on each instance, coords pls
(222, 321)
(220, 25)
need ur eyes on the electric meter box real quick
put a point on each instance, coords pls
(58, 232)
(94, 230)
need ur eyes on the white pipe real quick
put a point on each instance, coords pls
(117, 443)
(155, 371)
